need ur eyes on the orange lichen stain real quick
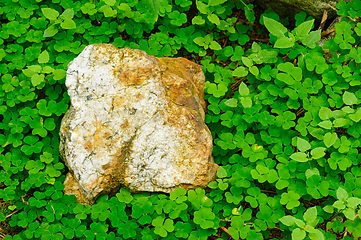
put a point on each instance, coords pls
(107, 135)
(182, 67)
(88, 145)
(117, 70)
(134, 76)
(100, 138)
(125, 124)
(183, 83)
(139, 96)
(118, 102)
(101, 135)
(72, 188)
(92, 185)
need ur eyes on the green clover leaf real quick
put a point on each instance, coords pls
(100, 210)
(290, 199)
(349, 98)
(213, 18)
(303, 145)
(97, 231)
(356, 117)
(198, 20)
(217, 90)
(312, 85)
(316, 62)
(198, 199)
(318, 152)
(304, 28)
(286, 120)
(162, 226)
(182, 229)
(108, 11)
(50, 31)
(178, 19)
(53, 232)
(127, 230)
(29, 233)
(311, 39)
(46, 108)
(37, 79)
(68, 24)
(274, 27)
(33, 146)
(43, 57)
(50, 13)
(178, 195)
(317, 188)
(88, 8)
(154, 7)
(81, 211)
(240, 72)
(285, 42)
(329, 139)
(204, 217)
(300, 157)
(325, 113)
(124, 196)
(221, 172)
(74, 228)
(53, 170)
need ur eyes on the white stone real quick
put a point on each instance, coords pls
(135, 121)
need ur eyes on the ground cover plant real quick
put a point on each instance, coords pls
(284, 117)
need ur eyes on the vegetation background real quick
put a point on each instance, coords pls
(284, 116)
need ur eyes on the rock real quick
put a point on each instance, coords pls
(289, 8)
(71, 187)
(327, 55)
(135, 121)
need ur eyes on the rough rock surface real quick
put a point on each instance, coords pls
(327, 55)
(135, 121)
(289, 8)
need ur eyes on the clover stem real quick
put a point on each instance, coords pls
(16, 211)
(246, 5)
(226, 230)
(224, 220)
